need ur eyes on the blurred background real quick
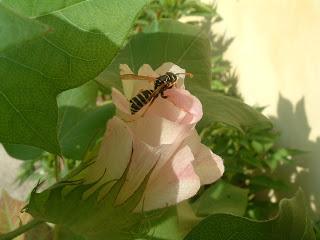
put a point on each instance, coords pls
(266, 54)
(277, 59)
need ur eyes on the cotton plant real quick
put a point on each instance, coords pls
(147, 161)
(147, 164)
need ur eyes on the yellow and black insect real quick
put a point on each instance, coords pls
(148, 96)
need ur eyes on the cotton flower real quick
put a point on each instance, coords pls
(160, 138)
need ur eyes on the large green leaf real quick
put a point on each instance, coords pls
(23, 152)
(84, 37)
(86, 129)
(36, 8)
(222, 197)
(81, 123)
(15, 29)
(292, 223)
(189, 47)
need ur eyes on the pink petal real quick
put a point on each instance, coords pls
(132, 87)
(208, 165)
(157, 131)
(187, 102)
(175, 182)
(114, 154)
(166, 109)
(120, 101)
(144, 157)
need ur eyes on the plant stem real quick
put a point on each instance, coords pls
(24, 228)
(57, 168)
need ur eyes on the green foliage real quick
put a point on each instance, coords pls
(172, 9)
(292, 223)
(250, 159)
(64, 44)
(34, 72)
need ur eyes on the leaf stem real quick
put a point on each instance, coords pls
(24, 228)
(57, 168)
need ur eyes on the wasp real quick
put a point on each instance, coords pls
(148, 96)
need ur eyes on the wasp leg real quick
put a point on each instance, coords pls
(163, 96)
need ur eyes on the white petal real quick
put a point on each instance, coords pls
(114, 154)
(207, 165)
(144, 157)
(132, 87)
(146, 70)
(157, 131)
(175, 182)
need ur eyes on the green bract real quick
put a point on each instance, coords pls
(85, 210)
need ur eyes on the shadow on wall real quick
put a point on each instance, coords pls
(295, 132)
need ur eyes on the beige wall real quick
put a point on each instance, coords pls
(276, 53)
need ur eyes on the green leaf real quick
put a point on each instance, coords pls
(81, 124)
(63, 233)
(36, 8)
(23, 152)
(84, 129)
(40, 232)
(172, 223)
(292, 223)
(83, 97)
(222, 197)
(15, 29)
(189, 47)
(229, 110)
(85, 36)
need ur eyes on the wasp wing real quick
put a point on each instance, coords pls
(137, 77)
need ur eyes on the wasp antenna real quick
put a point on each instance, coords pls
(187, 74)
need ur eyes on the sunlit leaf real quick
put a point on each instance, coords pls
(292, 223)
(16, 29)
(222, 197)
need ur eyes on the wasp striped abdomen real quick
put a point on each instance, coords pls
(140, 100)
